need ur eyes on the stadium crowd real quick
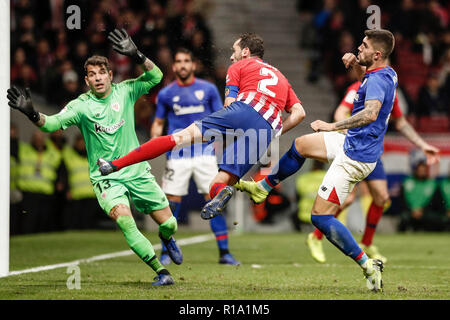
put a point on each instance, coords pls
(48, 57)
(421, 56)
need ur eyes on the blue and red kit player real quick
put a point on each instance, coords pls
(376, 180)
(256, 95)
(185, 100)
(353, 156)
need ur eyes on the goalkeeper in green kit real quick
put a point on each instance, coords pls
(105, 117)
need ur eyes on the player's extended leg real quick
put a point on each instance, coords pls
(322, 217)
(307, 146)
(314, 239)
(337, 184)
(379, 191)
(152, 149)
(175, 206)
(138, 243)
(167, 228)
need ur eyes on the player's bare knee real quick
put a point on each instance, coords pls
(381, 199)
(299, 142)
(119, 210)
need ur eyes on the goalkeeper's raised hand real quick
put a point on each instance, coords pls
(22, 101)
(122, 43)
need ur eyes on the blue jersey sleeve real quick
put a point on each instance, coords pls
(161, 110)
(215, 100)
(376, 88)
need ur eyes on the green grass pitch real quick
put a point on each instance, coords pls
(274, 267)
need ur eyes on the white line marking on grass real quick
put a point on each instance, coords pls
(181, 242)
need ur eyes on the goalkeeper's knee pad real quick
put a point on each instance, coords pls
(168, 227)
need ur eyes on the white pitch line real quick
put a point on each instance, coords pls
(181, 242)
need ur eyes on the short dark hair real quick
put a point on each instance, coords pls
(183, 50)
(97, 61)
(384, 38)
(253, 42)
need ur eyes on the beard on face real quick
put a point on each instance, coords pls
(185, 76)
(366, 63)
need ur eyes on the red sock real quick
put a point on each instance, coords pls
(149, 150)
(318, 234)
(373, 216)
(215, 189)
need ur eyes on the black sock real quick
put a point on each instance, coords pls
(223, 252)
(164, 271)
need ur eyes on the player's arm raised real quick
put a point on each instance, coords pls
(21, 100)
(296, 115)
(405, 128)
(367, 115)
(123, 44)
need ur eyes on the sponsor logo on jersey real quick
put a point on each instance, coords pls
(116, 107)
(176, 99)
(323, 188)
(227, 91)
(356, 97)
(199, 94)
(180, 110)
(111, 129)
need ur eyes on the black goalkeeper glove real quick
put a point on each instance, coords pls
(122, 43)
(22, 102)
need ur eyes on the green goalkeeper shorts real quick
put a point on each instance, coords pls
(144, 192)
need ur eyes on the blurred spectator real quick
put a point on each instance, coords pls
(38, 167)
(444, 188)
(423, 212)
(56, 143)
(27, 78)
(81, 210)
(70, 88)
(432, 99)
(19, 60)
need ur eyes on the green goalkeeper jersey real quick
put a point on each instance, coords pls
(107, 125)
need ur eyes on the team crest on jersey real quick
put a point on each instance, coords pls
(176, 99)
(116, 107)
(199, 94)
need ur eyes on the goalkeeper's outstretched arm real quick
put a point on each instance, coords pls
(21, 100)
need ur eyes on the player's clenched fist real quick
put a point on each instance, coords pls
(22, 102)
(349, 60)
(320, 125)
(122, 43)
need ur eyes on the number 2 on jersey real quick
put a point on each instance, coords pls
(272, 81)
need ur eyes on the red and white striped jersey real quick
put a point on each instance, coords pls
(263, 87)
